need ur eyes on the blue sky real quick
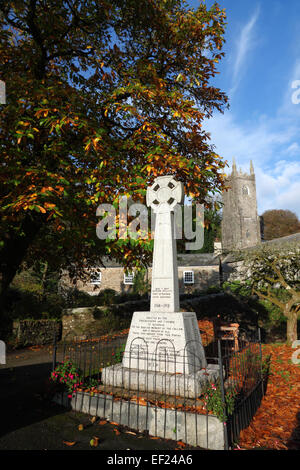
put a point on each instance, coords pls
(261, 63)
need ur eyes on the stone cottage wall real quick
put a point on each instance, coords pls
(113, 278)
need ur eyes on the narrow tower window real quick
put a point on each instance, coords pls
(245, 190)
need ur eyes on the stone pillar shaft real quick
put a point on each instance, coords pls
(164, 287)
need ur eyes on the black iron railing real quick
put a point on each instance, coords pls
(231, 387)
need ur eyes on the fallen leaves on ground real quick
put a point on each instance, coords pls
(94, 441)
(206, 328)
(139, 400)
(276, 424)
(69, 443)
(181, 444)
(106, 338)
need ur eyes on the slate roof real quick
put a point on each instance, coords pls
(198, 259)
(191, 259)
(295, 237)
(207, 259)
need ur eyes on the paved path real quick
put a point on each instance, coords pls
(30, 421)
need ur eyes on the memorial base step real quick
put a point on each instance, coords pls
(182, 385)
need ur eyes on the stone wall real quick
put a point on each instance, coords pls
(204, 277)
(36, 332)
(234, 271)
(98, 321)
(94, 321)
(77, 321)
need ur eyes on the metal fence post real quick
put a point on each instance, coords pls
(261, 360)
(220, 361)
(54, 352)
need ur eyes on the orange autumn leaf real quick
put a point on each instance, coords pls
(181, 444)
(43, 211)
(139, 400)
(68, 443)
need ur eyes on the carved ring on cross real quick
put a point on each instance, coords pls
(165, 191)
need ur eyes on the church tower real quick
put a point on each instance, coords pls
(240, 222)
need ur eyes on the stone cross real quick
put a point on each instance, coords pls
(163, 340)
(162, 197)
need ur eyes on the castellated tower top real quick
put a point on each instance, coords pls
(235, 172)
(240, 222)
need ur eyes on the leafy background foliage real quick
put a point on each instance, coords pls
(101, 98)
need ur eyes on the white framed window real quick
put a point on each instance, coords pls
(128, 278)
(188, 277)
(96, 277)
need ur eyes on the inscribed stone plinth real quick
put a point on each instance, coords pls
(165, 342)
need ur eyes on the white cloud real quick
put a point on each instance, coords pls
(272, 146)
(280, 189)
(245, 43)
(293, 149)
(257, 141)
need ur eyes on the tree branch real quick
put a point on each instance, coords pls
(270, 298)
(282, 280)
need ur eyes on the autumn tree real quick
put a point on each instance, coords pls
(102, 96)
(273, 272)
(279, 223)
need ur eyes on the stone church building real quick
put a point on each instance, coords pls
(241, 228)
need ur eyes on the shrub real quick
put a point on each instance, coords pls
(108, 296)
(270, 316)
(238, 288)
(141, 284)
(68, 375)
(213, 402)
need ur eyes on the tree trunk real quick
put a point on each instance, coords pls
(43, 281)
(15, 248)
(291, 329)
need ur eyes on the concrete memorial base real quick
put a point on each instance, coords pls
(164, 383)
(206, 431)
(163, 354)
